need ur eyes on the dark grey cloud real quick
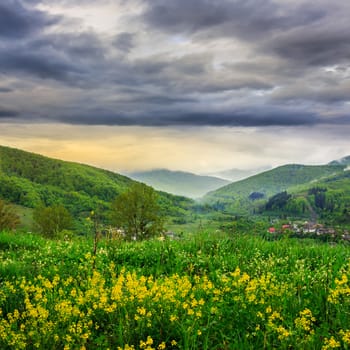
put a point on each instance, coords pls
(124, 41)
(70, 58)
(8, 113)
(247, 118)
(324, 45)
(174, 116)
(250, 19)
(183, 62)
(5, 90)
(310, 33)
(155, 100)
(81, 46)
(44, 67)
(18, 21)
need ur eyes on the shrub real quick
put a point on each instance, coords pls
(51, 221)
(8, 218)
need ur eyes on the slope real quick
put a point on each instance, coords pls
(30, 180)
(328, 199)
(238, 196)
(179, 182)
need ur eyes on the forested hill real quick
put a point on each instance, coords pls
(327, 199)
(240, 194)
(29, 179)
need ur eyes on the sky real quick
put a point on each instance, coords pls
(194, 85)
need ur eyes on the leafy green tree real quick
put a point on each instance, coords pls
(8, 218)
(51, 221)
(137, 212)
(278, 201)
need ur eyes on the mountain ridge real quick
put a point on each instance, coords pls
(179, 182)
(235, 196)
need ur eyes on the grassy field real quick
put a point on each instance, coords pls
(204, 291)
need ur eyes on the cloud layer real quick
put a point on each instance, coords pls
(176, 63)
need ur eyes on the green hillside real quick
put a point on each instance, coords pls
(179, 182)
(30, 180)
(243, 196)
(326, 200)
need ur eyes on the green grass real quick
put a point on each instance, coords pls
(208, 290)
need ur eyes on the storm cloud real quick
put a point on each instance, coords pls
(254, 63)
(18, 21)
(8, 113)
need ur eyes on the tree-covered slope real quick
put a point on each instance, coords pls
(179, 182)
(326, 200)
(30, 180)
(239, 196)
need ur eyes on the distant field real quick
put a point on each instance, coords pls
(204, 291)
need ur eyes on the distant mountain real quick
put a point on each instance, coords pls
(239, 196)
(179, 182)
(30, 179)
(238, 174)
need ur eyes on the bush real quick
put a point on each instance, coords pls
(51, 221)
(8, 218)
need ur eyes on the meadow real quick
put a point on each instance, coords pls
(202, 291)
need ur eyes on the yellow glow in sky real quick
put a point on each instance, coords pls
(200, 150)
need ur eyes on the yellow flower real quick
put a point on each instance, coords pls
(173, 318)
(330, 343)
(345, 336)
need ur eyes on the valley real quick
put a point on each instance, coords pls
(267, 257)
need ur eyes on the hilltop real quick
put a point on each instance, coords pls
(29, 180)
(179, 182)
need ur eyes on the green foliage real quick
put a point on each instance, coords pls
(137, 212)
(256, 195)
(51, 221)
(8, 218)
(278, 201)
(298, 206)
(241, 225)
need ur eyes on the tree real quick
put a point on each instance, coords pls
(50, 221)
(137, 212)
(278, 201)
(8, 218)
